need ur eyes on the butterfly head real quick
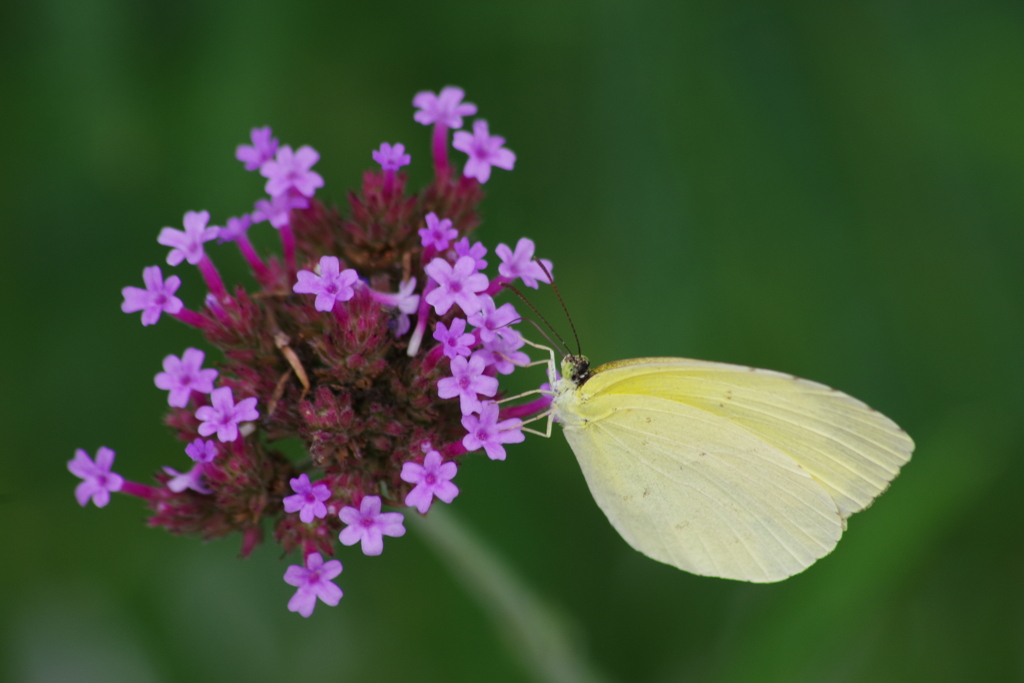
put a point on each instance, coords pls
(576, 369)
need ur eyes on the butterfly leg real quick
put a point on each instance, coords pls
(547, 414)
(552, 365)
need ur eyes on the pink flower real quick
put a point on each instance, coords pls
(262, 149)
(99, 481)
(521, 263)
(223, 415)
(292, 170)
(279, 209)
(491, 321)
(438, 233)
(369, 525)
(308, 500)
(454, 341)
(487, 433)
(391, 158)
(477, 251)
(405, 300)
(457, 285)
(432, 478)
(236, 227)
(502, 352)
(313, 581)
(331, 285)
(193, 479)
(182, 376)
(188, 244)
(201, 450)
(157, 298)
(446, 109)
(484, 151)
(466, 382)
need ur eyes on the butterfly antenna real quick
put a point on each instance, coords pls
(551, 281)
(533, 308)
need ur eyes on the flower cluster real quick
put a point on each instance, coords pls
(374, 338)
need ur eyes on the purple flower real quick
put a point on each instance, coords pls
(158, 296)
(99, 481)
(236, 227)
(454, 340)
(521, 263)
(188, 244)
(262, 149)
(484, 151)
(446, 108)
(308, 500)
(477, 251)
(313, 581)
(369, 525)
(467, 381)
(458, 285)
(438, 233)
(201, 450)
(193, 479)
(492, 321)
(279, 209)
(223, 415)
(502, 353)
(391, 158)
(292, 169)
(332, 284)
(487, 433)
(432, 478)
(182, 376)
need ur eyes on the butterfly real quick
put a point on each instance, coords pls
(723, 470)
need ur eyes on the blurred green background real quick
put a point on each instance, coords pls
(830, 189)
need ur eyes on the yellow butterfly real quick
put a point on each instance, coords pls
(723, 470)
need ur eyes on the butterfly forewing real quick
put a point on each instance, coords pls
(851, 449)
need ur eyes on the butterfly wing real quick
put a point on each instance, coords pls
(852, 450)
(695, 491)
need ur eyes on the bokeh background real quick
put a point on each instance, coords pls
(830, 189)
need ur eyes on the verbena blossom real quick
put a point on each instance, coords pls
(439, 232)
(193, 479)
(458, 285)
(455, 341)
(202, 450)
(188, 243)
(262, 150)
(503, 352)
(391, 157)
(368, 525)
(236, 227)
(292, 171)
(447, 108)
(432, 479)
(521, 264)
(308, 500)
(313, 581)
(467, 382)
(485, 431)
(353, 341)
(182, 376)
(477, 250)
(330, 286)
(99, 481)
(490, 321)
(484, 150)
(278, 209)
(223, 415)
(158, 296)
